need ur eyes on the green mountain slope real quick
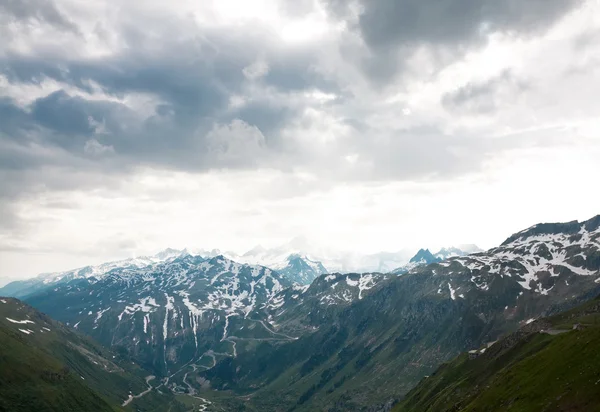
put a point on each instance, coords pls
(31, 379)
(546, 366)
(48, 367)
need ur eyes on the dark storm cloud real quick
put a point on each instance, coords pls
(44, 11)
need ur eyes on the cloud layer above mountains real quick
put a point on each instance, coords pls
(126, 127)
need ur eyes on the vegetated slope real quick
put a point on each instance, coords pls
(374, 350)
(47, 367)
(552, 364)
(31, 379)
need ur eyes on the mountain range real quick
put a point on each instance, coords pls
(290, 260)
(241, 336)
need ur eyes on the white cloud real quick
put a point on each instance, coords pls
(236, 142)
(256, 70)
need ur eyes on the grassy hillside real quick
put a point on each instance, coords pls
(32, 380)
(546, 366)
(49, 367)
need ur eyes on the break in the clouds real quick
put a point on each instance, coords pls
(365, 125)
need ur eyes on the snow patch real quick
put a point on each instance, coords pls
(452, 292)
(20, 322)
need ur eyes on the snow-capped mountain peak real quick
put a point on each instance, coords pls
(425, 257)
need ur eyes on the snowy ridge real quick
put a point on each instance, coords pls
(347, 288)
(177, 303)
(538, 259)
(44, 281)
(327, 290)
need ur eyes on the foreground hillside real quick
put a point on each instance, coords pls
(550, 365)
(47, 367)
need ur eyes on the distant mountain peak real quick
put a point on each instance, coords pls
(424, 256)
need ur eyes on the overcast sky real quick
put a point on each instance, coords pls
(128, 127)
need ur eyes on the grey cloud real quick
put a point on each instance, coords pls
(484, 97)
(191, 74)
(40, 10)
(192, 80)
(58, 111)
(392, 22)
(191, 77)
(61, 121)
(12, 117)
(268, 117)
(394, 29)
(296, 70)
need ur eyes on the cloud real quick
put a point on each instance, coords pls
(485, 97)
(95, 148)
(292, 101)
(256, 70)
(42, 11)
(235, 143)
(395, 31)
(448, 22)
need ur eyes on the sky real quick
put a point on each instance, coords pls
(362, 125)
